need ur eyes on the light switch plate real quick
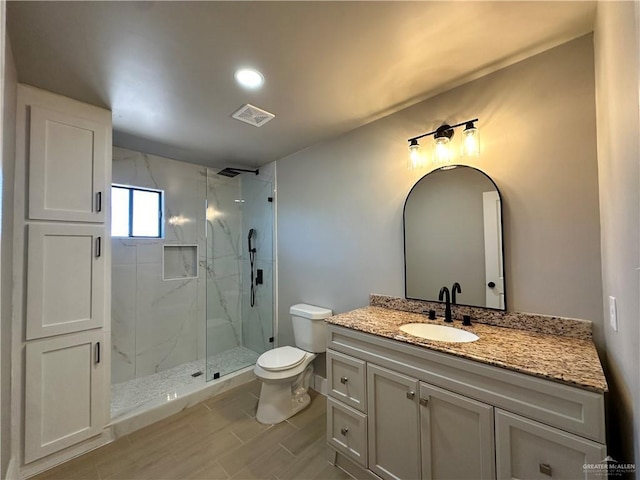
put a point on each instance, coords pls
(613, 314)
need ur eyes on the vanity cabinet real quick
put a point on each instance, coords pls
(433, 416)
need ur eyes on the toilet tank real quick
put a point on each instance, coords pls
(309, 327)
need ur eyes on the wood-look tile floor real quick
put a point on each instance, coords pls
(216, 439)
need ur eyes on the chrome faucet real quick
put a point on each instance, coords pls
(455, 288)
(444, 292)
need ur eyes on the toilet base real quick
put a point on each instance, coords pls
(281, 400)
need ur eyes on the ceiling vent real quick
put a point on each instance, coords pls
(252, 115)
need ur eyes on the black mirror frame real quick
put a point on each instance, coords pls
(404, 237)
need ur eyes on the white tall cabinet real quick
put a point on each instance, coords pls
(62, 273)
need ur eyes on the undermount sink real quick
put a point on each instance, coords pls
(439, 333)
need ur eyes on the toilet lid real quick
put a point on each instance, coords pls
(281, 358)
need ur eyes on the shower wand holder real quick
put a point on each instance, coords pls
(259, 279)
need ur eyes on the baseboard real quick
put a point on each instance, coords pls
(320, 385)
(12, 470)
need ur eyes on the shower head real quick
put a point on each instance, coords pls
(232, 172)
(228, 172)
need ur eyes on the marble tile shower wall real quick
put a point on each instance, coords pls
(156, 324)
(258, 213)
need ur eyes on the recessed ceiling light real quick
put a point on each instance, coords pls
(249, 78)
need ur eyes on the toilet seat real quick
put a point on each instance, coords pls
(281, 358)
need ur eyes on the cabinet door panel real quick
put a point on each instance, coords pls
(394, 433)
(457, 436)
(65, 279)
(64, 393)
(67, 158)
(529, 450)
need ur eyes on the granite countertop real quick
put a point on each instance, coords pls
(568, 360)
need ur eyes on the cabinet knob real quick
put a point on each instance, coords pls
(491, 284)
(545, 469)
(344, 431)
(424, 401)
(411, 395)
(343, 380)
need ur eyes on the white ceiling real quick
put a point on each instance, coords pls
(165, 69)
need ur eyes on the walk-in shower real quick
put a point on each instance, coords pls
(195, 304)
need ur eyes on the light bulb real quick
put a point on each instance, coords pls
(416, 159)
(441, 150)
(470, 141)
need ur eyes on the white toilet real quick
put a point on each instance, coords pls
(286, 372)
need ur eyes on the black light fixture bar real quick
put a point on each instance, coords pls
(440, 129)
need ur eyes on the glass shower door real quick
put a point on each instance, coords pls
(239, 310)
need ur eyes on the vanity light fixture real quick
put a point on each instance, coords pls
(442, 144)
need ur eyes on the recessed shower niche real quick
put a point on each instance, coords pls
(179, 262)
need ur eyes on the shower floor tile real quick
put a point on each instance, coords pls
(230, 361)
(175, 382)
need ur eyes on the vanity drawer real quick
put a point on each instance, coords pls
(528, 449)
(347, 380)
(347, 431)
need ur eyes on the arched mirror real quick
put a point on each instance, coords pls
(453, 233)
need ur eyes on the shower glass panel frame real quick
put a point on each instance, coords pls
(237, 333)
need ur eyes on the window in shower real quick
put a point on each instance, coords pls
(136, 212)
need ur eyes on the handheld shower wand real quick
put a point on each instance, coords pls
(252, 261)
(252, 233)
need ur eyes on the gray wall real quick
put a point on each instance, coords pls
(616, 54)
(6, 238)
(340, 202)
